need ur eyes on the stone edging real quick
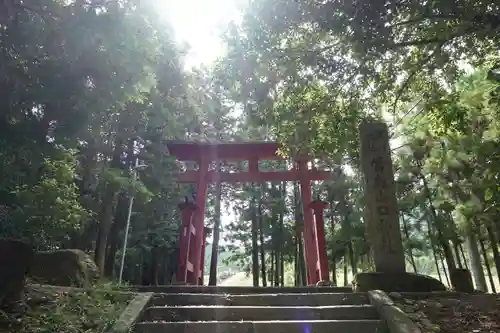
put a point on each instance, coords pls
(396, 320)
(131, 313)
(70, 290)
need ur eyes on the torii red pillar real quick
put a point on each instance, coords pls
(193, 241)
(199, 218)
(187, 212)
(310, 242)
(318, 208)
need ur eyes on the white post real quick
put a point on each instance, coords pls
(127, 227)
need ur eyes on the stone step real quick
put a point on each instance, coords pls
(254, 313)
(298, 326)
(314, 299)
(241, 290)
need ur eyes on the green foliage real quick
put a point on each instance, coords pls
(75, 312)
(48, 210)
(91, 88)
(307, 73)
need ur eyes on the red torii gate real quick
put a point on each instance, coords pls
(192, 241)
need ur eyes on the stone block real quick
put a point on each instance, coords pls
(64, 268)
(15, 260)
(395, 281)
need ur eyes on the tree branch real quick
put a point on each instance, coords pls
(407, 82)
(423, 18)
(420, 42)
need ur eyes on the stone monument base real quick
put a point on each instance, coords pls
(400, 282)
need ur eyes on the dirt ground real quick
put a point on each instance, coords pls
(454, 313)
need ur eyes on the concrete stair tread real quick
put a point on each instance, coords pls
(257, 322)
(269, 326)
(258, 295)
(258, 310)
(278, 299)
(260, 313)
(262, 307)
(241, 290)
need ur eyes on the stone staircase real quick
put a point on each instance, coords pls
(185, 309)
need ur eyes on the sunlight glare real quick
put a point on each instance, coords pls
(199, 23)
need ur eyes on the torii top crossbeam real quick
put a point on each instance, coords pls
(250, 151)
(192, 241)
(191, 151)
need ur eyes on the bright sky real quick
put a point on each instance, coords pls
(199, 23)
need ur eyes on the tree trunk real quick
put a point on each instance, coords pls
(497, 225)
(113, 241)
(296, 261)
(299, 223)
(276, 248)
(86, 240)
(463, 256)
(106, 221)
(302, 264)
(281, 230)
(109, 266)
(146, 272)
(352, 259)
(261, 235)
(162, 276)
(155, 264)
(494, 246)
(350, 249)
(172, 264)
(212, 280)
(487, 265)
(255, 249)
(346, 279)
(407, 236)
(433, 247)
(334, 271)
(439, 228)
(475, 258)
(137, 272)
(455, 241)
(333, 259)
(272, 270)
(282, 270)
(107, 210)
(275, 267)
(456, 248)
(444, 270)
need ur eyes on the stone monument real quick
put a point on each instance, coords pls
(382, 218)
(382, 214)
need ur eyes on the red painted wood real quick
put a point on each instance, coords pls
(187, 211)
(199, 218)
(206, 230)
(309, 237)
(260, 176)
(253, 166)
(318, 208)
(191, 151)
(204, 154)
